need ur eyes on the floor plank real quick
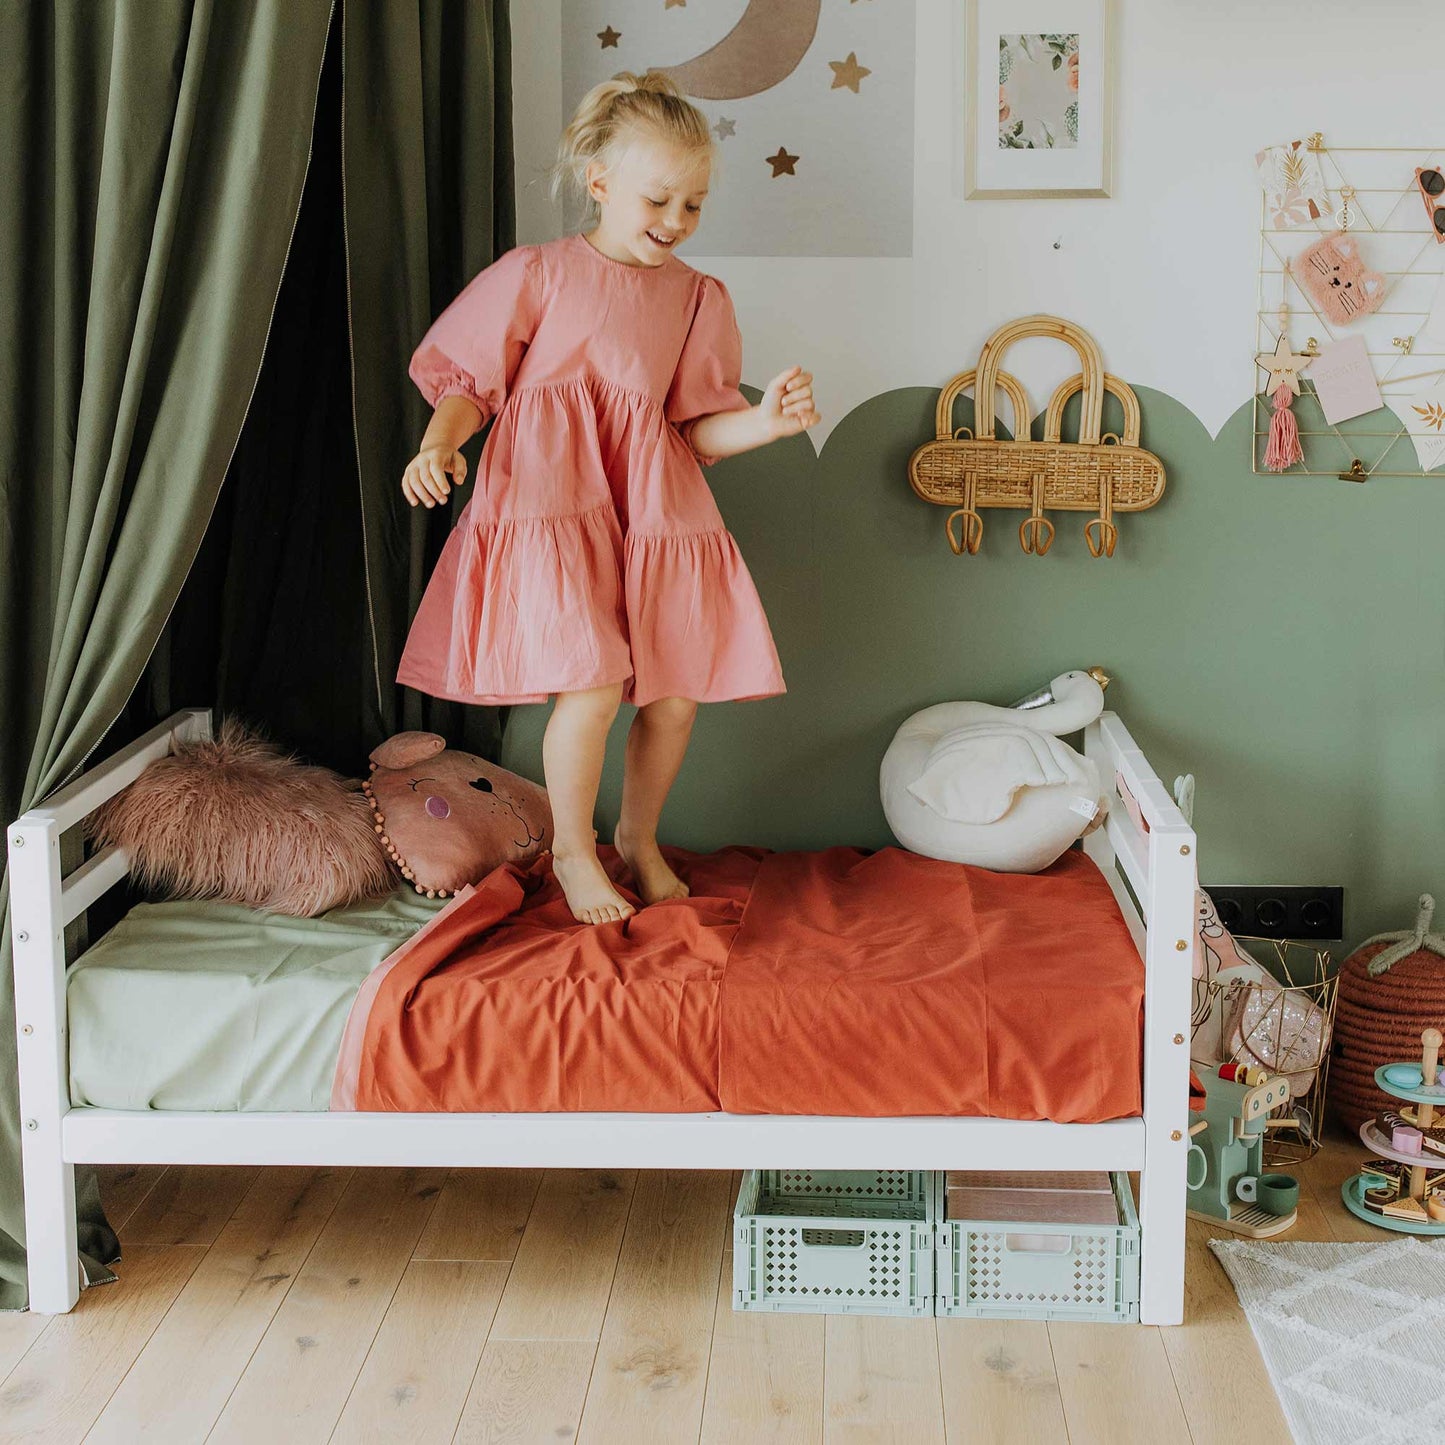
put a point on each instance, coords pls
(1217, 1371)
(189, 1204)
(765, 1376)
(19, 1329)
(650, 1376)
(181, 1380)
(881, 1381)
(416, 1378)
(480, 1214)
(123, 1186)
(527, 1392)
(64, 1380)
(999, 1382)
(1116, 1384)
(562, 1274)
(309, 1357)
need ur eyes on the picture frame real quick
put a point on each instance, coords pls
(1039, 116)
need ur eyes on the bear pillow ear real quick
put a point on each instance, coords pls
(406, 750)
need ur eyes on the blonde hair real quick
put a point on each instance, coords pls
(616, 113)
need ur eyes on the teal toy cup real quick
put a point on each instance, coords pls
(1278, 1193)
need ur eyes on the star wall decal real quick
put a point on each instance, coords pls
(1283, 366)
(848, 72)
(609, 37)
(782, 163)
(725, 127)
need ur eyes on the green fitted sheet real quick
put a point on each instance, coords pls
(210, 1006)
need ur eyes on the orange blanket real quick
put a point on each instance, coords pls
(838, 982)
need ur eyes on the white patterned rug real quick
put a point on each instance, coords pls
(1353, 1335)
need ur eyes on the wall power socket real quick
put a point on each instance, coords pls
(1280, 910)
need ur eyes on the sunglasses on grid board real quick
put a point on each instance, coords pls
(1432, 191)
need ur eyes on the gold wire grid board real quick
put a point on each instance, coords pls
(1398, 239)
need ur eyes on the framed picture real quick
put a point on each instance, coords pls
(1038, 98)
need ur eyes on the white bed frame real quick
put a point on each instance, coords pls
(1158, 904)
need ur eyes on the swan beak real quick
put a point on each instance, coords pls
(1100, 676)
(1042, 698)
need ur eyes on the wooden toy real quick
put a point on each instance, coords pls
(1404, 1187)
(1228, 1183)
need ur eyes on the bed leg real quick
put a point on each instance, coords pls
(52, 1253)
(43, 1063)
(1161, 1242)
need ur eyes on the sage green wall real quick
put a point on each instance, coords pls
(1281, 638)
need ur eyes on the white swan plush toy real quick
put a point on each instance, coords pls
(995, 786)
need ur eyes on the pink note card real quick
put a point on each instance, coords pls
(1345, 380)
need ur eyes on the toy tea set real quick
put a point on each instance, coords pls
(1403, 1186)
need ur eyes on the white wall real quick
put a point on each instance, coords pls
(1163, 273)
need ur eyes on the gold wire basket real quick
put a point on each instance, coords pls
(1283, 1026)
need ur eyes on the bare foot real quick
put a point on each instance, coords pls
(589, 891)
(656, 882)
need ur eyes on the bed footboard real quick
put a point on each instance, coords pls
(1153, 872)
(42, 903)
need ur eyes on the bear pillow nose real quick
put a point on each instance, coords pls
(482, 785)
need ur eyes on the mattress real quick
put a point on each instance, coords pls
(214, 1007)
(839, 982)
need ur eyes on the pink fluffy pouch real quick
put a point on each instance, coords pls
(1334, 276)
(447, 818)
(240, 820)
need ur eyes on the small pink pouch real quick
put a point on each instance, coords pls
(1335, 278)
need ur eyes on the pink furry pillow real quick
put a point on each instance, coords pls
(240, 820)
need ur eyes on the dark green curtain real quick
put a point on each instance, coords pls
(296, 610)
(150, 186)
(150, 150)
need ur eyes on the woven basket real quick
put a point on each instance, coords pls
(1392, 988)
(969, 469)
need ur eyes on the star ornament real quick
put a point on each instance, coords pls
(1283, 366)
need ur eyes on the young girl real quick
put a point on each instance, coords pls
(592, 561)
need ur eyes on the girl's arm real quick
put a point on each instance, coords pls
(786, 408)
(425, 479)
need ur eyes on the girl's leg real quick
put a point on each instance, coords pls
(572, 758)
(655, 747)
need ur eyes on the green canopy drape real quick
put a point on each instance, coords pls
(296, 610)
(155, 162)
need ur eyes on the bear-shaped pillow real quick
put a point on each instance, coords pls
(447, 818)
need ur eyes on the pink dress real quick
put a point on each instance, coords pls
(592, 551)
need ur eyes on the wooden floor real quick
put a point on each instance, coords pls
(293, 1305)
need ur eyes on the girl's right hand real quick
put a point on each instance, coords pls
(424, 483)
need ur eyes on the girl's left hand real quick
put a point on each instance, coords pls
(788, 402)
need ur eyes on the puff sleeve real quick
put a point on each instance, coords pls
(710, 367)
(473, 348)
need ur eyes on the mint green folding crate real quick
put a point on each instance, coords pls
(997, 1269)
(834, 1241)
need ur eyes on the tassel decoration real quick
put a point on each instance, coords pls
(1284, 448)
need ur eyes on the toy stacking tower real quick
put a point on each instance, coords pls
(1404, 1186)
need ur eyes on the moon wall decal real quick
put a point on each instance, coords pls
(763, 48)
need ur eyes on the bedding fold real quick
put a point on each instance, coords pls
(840, 982)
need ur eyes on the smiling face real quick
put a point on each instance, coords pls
(650, 201)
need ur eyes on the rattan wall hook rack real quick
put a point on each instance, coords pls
(972, 469)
